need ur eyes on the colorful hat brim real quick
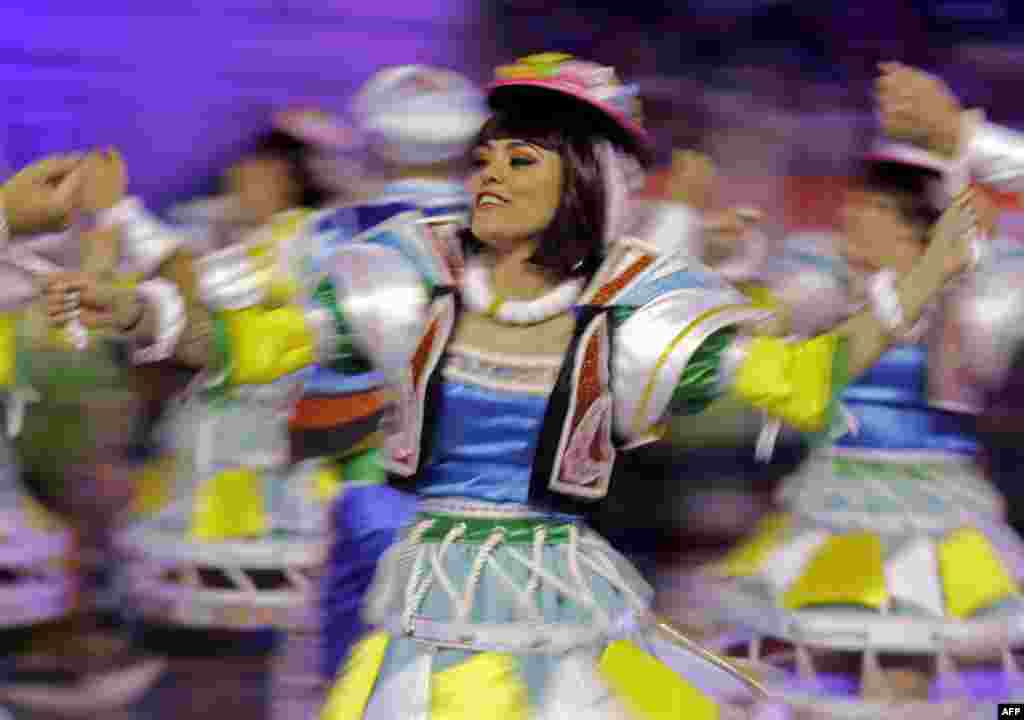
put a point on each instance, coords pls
(633, 131)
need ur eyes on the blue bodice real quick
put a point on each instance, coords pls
(483, 443)
(890, 406)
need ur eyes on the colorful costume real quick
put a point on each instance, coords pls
(497, 601)
(279, 443)
(38, 588)
(78, 409)
(412, 116)
(194, 560)
(893, 543)
(366, 519)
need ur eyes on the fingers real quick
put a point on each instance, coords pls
(93, 318)
(69, 187)
(53, 168)
(63, 306)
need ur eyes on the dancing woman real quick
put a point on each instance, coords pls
(563, 344)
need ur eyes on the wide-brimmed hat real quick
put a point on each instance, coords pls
(594, 85)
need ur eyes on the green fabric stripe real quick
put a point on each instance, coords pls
(349, 361)
(700, 384)
(363, 468)
(839, 380)
(222, 360)
(517, 531)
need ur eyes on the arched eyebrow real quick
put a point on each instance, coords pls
(512, 145)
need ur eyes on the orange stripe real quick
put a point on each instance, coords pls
(607, 292)
(320, 413)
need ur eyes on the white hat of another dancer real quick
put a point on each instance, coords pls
(418, 115)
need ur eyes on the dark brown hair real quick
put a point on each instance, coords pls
(910, 186)
(573, 244)
(294, 152)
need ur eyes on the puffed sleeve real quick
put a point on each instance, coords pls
(991, 154)
(146, 241)
(360, 299)
(682, 352)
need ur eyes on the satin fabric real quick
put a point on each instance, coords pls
(890, 409)
(483, 448)
(483, 444)
(365, 520)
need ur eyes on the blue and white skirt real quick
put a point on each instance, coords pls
(491, 611)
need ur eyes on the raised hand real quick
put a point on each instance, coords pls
(96, 304)
(105, 181)
(917, 107)
(955, 238)
(43, 196)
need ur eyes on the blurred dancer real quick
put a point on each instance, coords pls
(409, 122)
(416, 123)
(516, 386)
(894, 545)
(71, 448)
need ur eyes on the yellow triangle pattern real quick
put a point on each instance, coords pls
(230, 505)
(974, 577)
(748, 558)
(348, 698)
(485, 687)
(650, 688)
(846, 570)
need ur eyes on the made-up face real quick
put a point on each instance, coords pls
(877, 235)
(517, 189)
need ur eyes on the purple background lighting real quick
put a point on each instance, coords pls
(181, 87)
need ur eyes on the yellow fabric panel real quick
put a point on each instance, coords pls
(759, 295)
(268, 344)
(485, 687)
(650, 688)
(846, 570)
(327, 484)
(8, 326)
(749, 557)
(351, 692)
(974, 577)
(792, 381)
(152, 484)
(230, 505)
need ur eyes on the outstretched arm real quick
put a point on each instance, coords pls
(794, 381)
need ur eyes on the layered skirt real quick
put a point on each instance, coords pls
(884, 564)
(483, 610)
